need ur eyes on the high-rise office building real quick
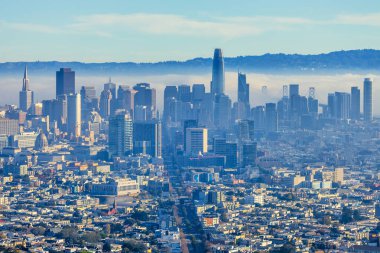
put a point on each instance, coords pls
(120, 136)
(249, 154)
(184, 93)
(331, 105)
(147, 138)
(105, 103)
(294, 89)
(271, 118)
(65, 82)
(243, 89)
(258, 114)
(217, 83)
(26, 95)
(145, 96)
(125, 98)
(110, 86)
(338, 175)
(88, 92)
(89, 101)
(222, 111)
(190, 123)
(342, 105)
(170, 95)
(198, 92)
(355, 103)
(227, 149)
(74, 115)
(313, 105)
(242, 130)
(9, 126)
(196, 141)
(367, 99)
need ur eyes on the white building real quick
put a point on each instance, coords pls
(74, 114)
(196, 140)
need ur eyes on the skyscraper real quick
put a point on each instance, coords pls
(74, 115)
(190, 123)
(120, 136)
(65, 82)
(355, 103)
(89, 100)
(184, 93)
(196, 140)
(249, 154)
(294, 89)
(342, 105)
(110, 86)
(145, 96)
(222, 111)
(147, 138)
(217, 83)
(198, 92)
(26, 95)
(271, 117)
(243, 89)
(105, 103)
(367, 99)
(125, 98)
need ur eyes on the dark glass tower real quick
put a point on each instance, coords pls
(243, 89)
(147, 138)
(217, 83)
(355, 103)
(65, 82)
(367, 99)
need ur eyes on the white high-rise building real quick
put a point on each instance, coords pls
(74, 115)
(196, 140)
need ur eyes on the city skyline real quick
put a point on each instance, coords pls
(277, 153)
(147, 31)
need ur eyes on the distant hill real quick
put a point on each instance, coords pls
(355, 61)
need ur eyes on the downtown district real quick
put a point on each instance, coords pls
(110, 173)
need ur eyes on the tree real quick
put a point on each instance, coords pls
(70, 234)
(134, 246)
(91, 237)
(140, 215)
(38, 231)
(107, 229)
(347, 215)
(107, 247)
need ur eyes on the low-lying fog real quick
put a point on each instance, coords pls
(44, 86)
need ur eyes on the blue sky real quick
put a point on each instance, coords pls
(155, 30)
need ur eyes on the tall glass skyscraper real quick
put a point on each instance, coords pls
(217, 83)
(355, 103)
(243, 89)
(367, 99)
(65, 82)
(120, 136)
(147, 138)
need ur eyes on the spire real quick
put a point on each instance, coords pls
(25, 80)
(26, 72)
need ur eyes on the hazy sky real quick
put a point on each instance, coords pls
(152, 30)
